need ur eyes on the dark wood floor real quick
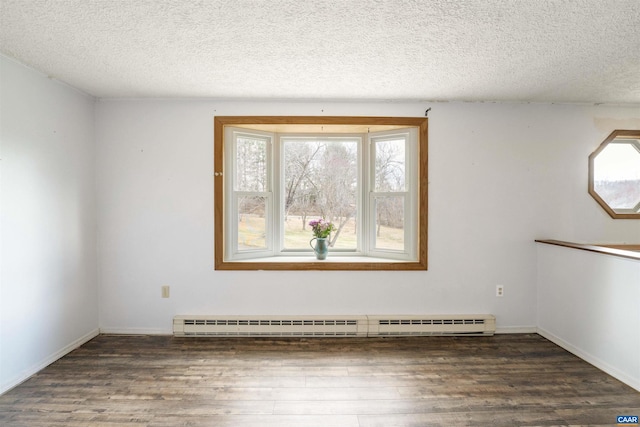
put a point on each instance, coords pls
(161, 381)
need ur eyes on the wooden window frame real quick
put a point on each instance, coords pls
(220, 122)
(617, 134)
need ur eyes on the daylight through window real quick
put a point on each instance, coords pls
(275, 175)
(614, 174)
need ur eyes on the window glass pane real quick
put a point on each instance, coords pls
(389, 221)
(251, 164)
(390, 165)
(617, 175)
(320, 181)
(252, 223)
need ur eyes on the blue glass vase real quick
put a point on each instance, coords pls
(321, 248)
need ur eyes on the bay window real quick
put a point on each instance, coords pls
(275, 174)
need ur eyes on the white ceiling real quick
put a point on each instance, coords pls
(582, 51)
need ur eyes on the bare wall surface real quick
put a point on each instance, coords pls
(78, 255)
(48, 288)
(501, 175)
(587, 303)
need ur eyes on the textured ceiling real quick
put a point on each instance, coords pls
(450, 50)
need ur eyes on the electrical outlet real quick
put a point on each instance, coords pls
(499, 291)
(165, 291)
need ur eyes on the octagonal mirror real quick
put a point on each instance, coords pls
(614, 174)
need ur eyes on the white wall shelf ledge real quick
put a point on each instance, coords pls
(619, 250)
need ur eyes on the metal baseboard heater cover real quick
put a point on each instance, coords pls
(334, 326)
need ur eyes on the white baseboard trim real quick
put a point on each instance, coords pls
(48, 361)
(135, 331)
(598, 363)
(517, 330)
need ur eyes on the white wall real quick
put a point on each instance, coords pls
(48, 290)
(588, 304)
(501, 175)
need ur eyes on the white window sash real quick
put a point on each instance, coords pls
(232, 194)
(365, 200)
(410, 195)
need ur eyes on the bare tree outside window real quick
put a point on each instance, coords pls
(273, 175)
(252, 226)
(390, 167)
(251, 166)
(320, 181)
(251, 183)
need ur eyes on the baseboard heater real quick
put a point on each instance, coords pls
(334, 326)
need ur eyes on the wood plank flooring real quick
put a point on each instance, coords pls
(163, 381)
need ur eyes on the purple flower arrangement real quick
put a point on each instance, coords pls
(321, 228)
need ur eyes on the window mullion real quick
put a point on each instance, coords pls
(367, 217)
(278, 205)
(231, 212)
(413, 187)
(363, 195)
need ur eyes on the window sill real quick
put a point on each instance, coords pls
(362, 263)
